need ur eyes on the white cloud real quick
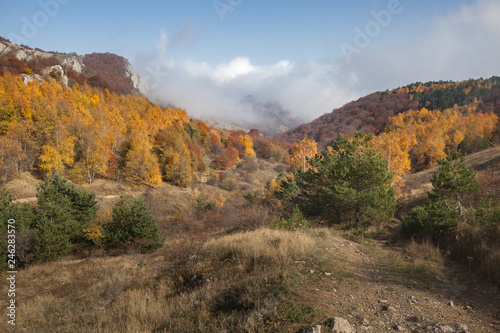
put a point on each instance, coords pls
(460, 45)
(463, 44)
(236, 67)
(205, 90)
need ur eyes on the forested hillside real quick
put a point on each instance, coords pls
(371, 113)
(85, 132)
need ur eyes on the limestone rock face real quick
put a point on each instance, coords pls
(74, 63)
(32, 77)
(54, 70)
(137, 82)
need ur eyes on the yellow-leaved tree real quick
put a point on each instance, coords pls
(395, 147)
(306, 148)
(141, 165)
(246, 141)
(59, 151)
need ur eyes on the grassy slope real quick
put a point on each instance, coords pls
(418, 184)
(263, 280)
(256, 281)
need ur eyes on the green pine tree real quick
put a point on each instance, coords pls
(352, 184)
(71, 208)
(454, 181)
(132, 224)
(443, 209)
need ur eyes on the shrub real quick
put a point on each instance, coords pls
(434, 220)
(26, 247)
(255, 196)
(24, 216)
(295, 221)
(208, 200)
(488, 211)
(229, 184)
(416, 221)
(250, 164)
(277, 153)
(132, 224)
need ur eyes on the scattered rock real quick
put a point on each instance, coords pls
(443, 328)
(339, 325)
(398, 328)
(363, 321)
(315, 329)
(388, 308)
(460, 328)
(311, 271)
(414, 319)
(328, 274)
(451, 304)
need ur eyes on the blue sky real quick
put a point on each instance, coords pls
(310, 56)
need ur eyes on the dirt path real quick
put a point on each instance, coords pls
(99, 198)
(381, 296)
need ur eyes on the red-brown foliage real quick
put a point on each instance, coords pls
(369, 114)
(110, 68)
(12, 65)
(38, 64)
(227, 158)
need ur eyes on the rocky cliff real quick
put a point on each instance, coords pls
(104, 70)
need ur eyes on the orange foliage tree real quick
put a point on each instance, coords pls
(395, 147)
(247, 143)
(227, 158)
(306, 148)
(432, 135)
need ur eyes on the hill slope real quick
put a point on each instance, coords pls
(263, 280)
(104, 70)
(370, 113)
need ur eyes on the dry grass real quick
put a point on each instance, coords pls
(478, 247)
(24, 186)
(424, 259)
(232, 283)
(416, 263)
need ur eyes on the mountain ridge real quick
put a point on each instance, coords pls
(104, 70)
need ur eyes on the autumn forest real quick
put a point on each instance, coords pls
(85, 132)
(146, 210)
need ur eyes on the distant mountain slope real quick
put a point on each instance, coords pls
(270, 117)
(370, 113)
(104, 70)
